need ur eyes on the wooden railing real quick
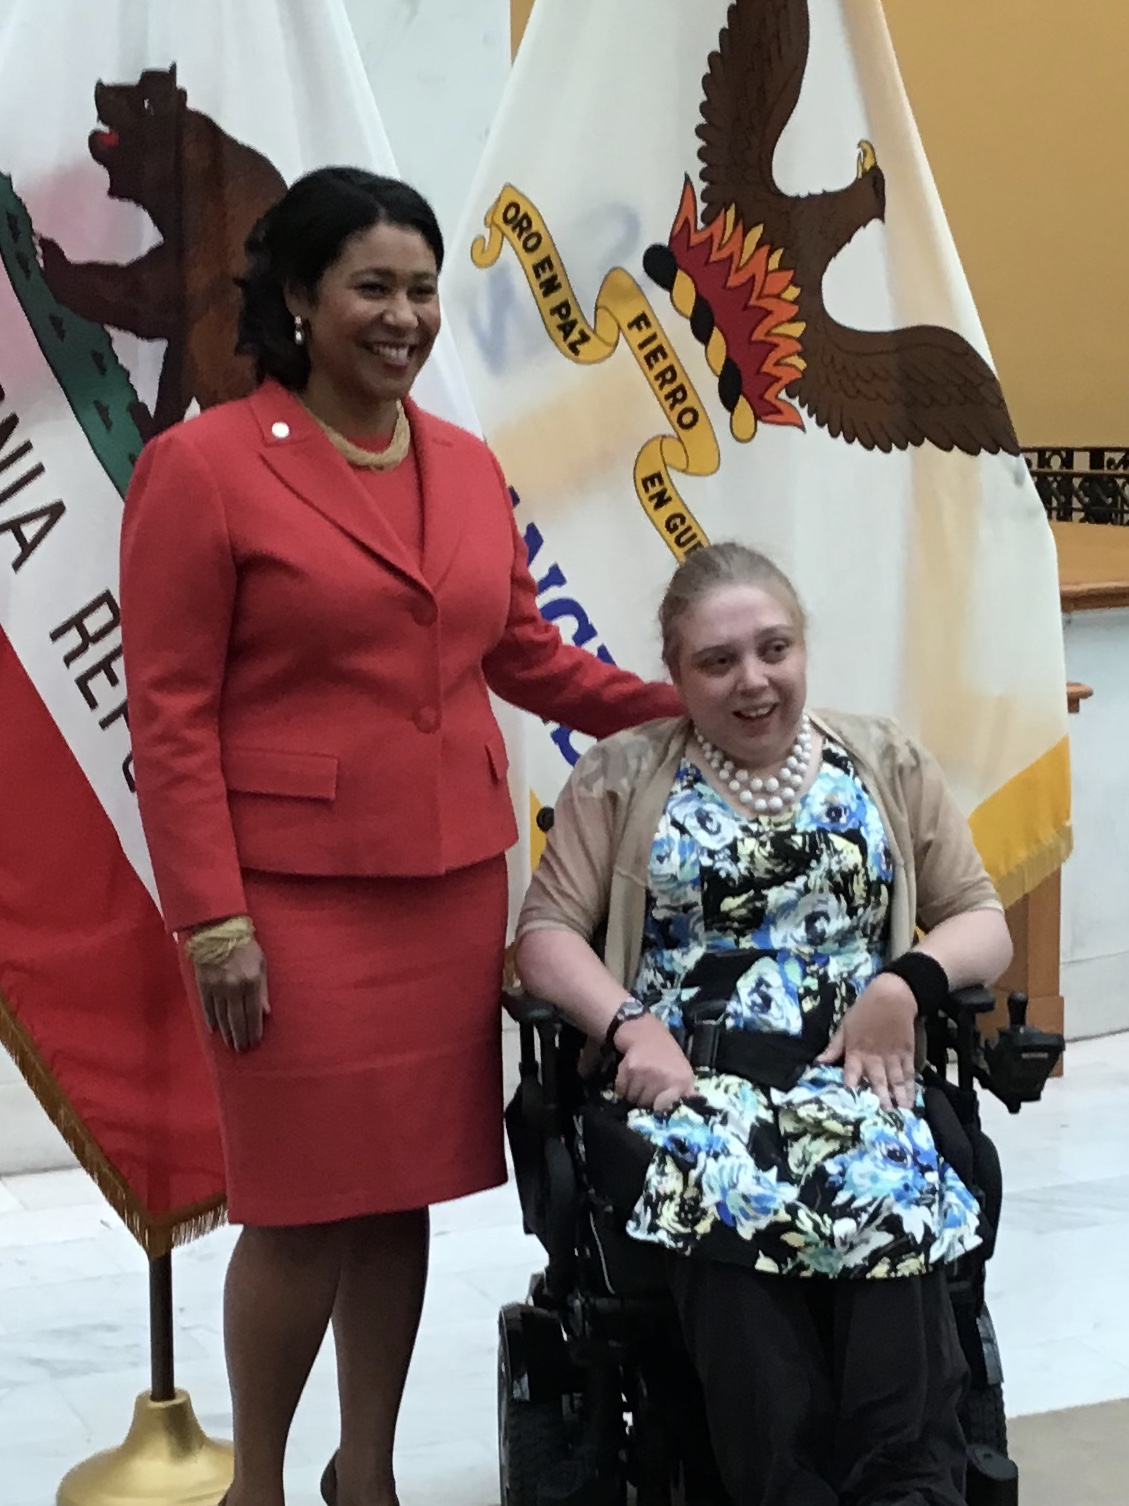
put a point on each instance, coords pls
(1082, 485)
(1080, 488)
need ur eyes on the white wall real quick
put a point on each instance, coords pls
(1095, 883)
(437, 68)
(28, 1139)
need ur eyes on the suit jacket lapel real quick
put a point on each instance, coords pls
(444, 504)
(299, 453)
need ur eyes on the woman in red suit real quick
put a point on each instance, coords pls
(320, 585)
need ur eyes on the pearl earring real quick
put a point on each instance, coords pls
(299, 331)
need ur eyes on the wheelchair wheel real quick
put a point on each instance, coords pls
(983, 1418)
(531, 1444)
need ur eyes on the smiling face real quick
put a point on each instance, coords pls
(741, 668)
(370, 324)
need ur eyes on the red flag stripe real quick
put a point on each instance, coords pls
(95, 1013)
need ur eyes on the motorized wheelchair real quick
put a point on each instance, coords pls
(596, 1393)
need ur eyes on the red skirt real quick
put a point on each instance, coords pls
(378, 1084)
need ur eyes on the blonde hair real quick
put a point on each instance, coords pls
(709, 569)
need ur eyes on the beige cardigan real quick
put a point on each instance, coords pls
(594, 868)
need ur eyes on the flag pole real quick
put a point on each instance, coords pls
(161, 1354)
(166, 1459)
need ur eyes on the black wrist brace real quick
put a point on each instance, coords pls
(926, 979)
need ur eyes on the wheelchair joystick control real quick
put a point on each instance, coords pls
(1018, 1062)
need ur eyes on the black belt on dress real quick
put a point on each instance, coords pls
(764, 1058)
(768, 1061)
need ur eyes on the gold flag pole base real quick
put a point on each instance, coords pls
(166, 1460)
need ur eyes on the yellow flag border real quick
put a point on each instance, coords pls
(1022, 831)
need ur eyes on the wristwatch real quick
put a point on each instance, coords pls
(630, 1009)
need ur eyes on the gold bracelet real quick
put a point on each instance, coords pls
(211, 945)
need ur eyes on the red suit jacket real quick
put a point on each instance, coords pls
(302, 697)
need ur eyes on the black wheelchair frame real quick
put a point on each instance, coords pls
(595, 1390)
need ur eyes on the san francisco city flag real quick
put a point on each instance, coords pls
(706, 290)
(138, 144)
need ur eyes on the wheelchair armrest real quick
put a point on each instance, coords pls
(955, 1027)
(527, 1009)
(969, 1001)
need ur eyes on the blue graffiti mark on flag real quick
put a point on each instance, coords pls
(562, 610)
(505, 325)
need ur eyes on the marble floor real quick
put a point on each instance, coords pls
(73, 1306)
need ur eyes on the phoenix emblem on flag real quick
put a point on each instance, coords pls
(746, 267)
(750, 280)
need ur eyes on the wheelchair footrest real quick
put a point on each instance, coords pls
(993, 1479)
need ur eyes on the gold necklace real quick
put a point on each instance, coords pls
(370, 460)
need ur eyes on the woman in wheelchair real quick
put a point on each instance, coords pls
(759, 875)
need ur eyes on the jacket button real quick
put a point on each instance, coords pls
(424, 613)
(427, 718)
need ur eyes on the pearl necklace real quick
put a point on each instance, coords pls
(768, 797)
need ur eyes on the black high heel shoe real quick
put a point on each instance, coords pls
(329, 1483)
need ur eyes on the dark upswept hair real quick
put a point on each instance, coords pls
(302, 235)
(709, 569)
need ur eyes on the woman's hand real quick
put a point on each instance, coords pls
(234, 996)
(654, 1073)
(875, 1042)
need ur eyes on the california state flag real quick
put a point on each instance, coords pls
(706, 290)
(138, 144)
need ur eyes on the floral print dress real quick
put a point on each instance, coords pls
(819, 1179)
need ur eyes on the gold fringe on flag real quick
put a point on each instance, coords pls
(156, 1235)
(1023, 830)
